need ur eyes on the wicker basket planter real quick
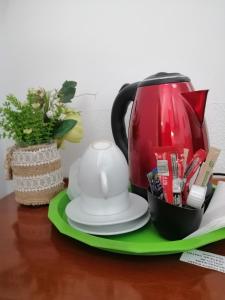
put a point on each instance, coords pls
(36, 173)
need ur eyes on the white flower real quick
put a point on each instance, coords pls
(36, 105)
(56, 101)
(53, 95)
(62, 117)
(49, 114)
(27, 130)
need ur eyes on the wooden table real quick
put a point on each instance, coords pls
(37, 262)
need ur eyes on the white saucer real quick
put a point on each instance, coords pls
(112, 229)
(138, 207)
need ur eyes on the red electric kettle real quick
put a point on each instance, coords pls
(166, 112)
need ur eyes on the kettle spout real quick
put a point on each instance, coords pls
(197, 100)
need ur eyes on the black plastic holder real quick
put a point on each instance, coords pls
(173, 222)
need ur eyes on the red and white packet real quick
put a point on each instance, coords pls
(170, 165)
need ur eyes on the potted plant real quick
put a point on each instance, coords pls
(38, 127)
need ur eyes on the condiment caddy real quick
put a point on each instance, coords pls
(178, 190)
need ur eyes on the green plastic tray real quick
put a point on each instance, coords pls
(145, 241)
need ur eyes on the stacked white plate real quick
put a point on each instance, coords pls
(133, 218)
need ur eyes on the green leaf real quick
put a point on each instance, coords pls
(67, 91)
(64, 127)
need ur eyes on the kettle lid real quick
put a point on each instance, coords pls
(164, 77)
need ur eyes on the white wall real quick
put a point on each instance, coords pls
(102, 44)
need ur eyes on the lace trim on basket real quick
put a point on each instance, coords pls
(38, 183)
(37, 157)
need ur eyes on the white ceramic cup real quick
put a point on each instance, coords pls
(103, 179)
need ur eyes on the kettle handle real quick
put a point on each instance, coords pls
(126, 95)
